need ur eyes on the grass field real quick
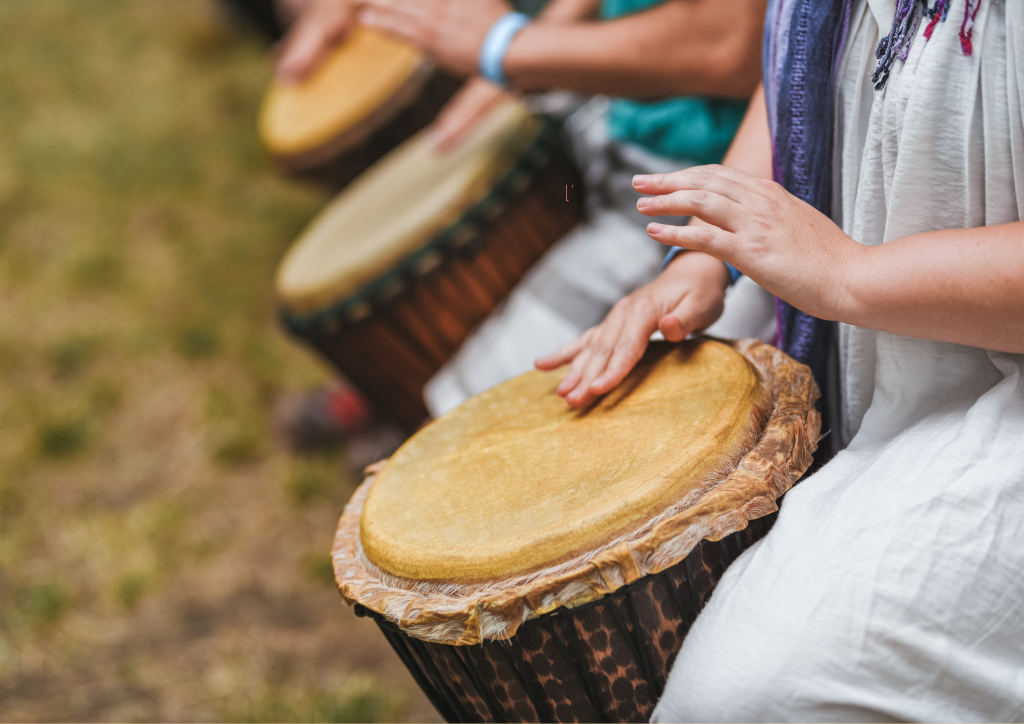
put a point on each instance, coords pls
(161, 557)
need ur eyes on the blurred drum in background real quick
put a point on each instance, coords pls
(371, 94)
(396, 272)
(532, 562)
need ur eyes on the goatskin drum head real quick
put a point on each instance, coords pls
(361, 75)
(514, 480)
(398, 206)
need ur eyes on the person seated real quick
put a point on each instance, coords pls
(680, 72)
(891, 587)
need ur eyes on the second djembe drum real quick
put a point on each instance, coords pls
(395, 273)
(531, 562)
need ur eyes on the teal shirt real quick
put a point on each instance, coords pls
(690, 128)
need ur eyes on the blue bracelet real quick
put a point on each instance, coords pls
(495, 46)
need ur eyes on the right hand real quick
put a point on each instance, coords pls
(463, 112)
(321, 26)
(686, 297)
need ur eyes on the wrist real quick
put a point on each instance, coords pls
(495, 46)
(696, 265)
(846, 306)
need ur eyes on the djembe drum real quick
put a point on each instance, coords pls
(397, 271)
(369, 96)
(531, 562)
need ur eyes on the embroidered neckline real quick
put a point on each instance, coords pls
(905, 22)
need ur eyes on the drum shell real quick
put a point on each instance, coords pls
(392, 353)
(604, 661)
(338, 162)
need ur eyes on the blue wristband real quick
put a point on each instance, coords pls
(734, 273)
(495, 46)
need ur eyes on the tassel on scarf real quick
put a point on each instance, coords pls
(904, 28)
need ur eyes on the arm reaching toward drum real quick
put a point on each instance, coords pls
(321, 25)
(475, 99)
(465, 109)
(681, 47)
(964, 286)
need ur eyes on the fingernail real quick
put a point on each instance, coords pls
(640, 179)
(653, 228)
(643, 203)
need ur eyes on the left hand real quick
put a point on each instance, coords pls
(319, 28)
(463, 113)
(449, 31)
(782, 243)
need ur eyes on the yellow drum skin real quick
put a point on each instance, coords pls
(515, 480)
(359, 77)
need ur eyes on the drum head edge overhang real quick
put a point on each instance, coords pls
(748, 491)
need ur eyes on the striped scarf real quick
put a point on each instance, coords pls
(803, 43)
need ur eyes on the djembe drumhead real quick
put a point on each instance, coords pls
(370, 94)
(515, 522)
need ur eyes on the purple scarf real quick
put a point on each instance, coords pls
(803, 43)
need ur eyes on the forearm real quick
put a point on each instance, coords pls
(682, 47)
(964, 286)
(567, 11)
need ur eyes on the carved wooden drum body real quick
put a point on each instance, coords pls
(530, 562)
(371, 94)
(390, 279)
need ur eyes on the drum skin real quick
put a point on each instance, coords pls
(340, 162)
(388, 94)
(391, 353)
(604, 661)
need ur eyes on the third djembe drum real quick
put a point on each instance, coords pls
(531, 562)
(370, 95)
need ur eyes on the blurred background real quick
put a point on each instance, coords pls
(162, 557)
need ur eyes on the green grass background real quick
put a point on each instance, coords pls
(161, 558)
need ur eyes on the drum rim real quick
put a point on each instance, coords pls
(343, 141)
(463, 237)
(781, 453)
(340, 137)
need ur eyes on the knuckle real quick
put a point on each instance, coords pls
(642, 306)
(705, 174)
(704, 235)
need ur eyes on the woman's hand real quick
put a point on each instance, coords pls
(449, 31)
(782, 243)
(321, 25)
(463, 112)
(686, 297)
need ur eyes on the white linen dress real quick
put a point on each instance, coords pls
(892, 586)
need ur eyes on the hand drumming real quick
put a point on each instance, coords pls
(686, 297)
(321, 25)
(463, 112)
(449, 31)
(782, 243)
